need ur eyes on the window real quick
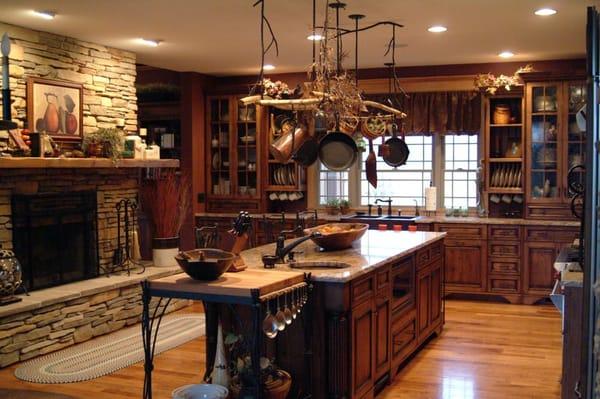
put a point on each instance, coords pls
(406, 183)
(449, 161)
(460, 171)
(332, 185)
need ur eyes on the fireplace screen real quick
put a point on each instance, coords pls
(55, 237)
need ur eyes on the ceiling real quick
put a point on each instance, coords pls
(221, 37)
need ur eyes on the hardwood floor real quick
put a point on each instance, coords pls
(487, 351)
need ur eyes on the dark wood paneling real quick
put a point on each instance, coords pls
(423, 301)
(504, 284)
(455, 230)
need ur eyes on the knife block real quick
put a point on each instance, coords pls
(238, 246)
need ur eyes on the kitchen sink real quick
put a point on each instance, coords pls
(363, 217)
(400, 217)
(319, 265)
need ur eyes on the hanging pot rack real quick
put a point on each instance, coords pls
(314, 99)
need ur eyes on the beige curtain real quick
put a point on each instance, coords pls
(451, 112)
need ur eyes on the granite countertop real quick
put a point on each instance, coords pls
(484, 220)
(424, 219)
(374, 249)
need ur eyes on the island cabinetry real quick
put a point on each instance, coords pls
(429, 303)
(504, 259)
(465, 254)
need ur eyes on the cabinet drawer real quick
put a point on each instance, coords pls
(503, 284)
(362, 289)
(547, 212)
(423, 257)
(383, 282)
(504, 249)
(551, 234)
(436, 250)
(505, 266)
(404, 337)
(504, 232)
(456, 230)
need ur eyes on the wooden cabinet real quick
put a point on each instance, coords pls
(232, 155)
(541, 248)
(555, 143)
(429, 303)
(363, 323)
(382, 336)
(465, 265)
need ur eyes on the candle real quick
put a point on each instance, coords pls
(5, 46)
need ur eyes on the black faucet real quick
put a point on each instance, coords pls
(281, 250)
(416, 208)
(389, 202)
(370, 208)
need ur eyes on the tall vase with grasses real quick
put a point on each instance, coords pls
(166, 201)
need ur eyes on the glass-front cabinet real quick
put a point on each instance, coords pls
(232, 144)
(555, 143)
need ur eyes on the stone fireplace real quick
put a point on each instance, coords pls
(66, 202)
(55, 237)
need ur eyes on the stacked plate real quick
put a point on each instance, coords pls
(507, 176)
(284, 175)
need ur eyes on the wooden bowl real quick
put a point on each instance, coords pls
(334, 241)
(205, 264)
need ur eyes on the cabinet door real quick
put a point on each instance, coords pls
(539, 267)
(363, 343)
(544, 153)
(382, 336)
(219, 154)
(423, 301)
(436, 312)
(574, 149)
(465, 265)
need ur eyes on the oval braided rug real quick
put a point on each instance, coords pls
(109, 353)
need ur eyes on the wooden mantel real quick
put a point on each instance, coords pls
(32, 163)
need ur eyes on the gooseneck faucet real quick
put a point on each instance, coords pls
(281, 250)
(389, 202)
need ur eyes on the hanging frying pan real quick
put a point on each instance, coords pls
(337, 151)
(398, 152)
(308, 152)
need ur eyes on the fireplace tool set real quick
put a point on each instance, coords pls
(126, 238)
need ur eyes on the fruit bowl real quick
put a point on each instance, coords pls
(336, 236)
(205, 264)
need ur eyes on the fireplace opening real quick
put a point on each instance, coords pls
(55, 237)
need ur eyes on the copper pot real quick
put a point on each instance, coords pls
(286, 145)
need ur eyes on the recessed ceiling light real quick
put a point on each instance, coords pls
(506, 54)
(544, 12)
(315, 37)
(44, 14)
(437, 29)
(149, 42)
(268, 67)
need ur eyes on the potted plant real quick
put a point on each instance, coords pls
(166, 202)
(345, 207)
(332, 206)
(276, 383)
(104, 142)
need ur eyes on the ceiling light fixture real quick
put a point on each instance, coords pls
(315, 37)
(149, 42)
(437, 29)
(544, 12)
(44, 14)
(506, 54)
(268, 67)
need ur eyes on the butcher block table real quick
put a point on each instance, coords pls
(251, 287)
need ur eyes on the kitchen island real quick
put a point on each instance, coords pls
(367, 318)
(370, 308)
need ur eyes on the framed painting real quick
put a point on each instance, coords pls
(54, 108)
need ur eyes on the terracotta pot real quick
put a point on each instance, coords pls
(94, 150)
(345, 210)
(332, 210)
